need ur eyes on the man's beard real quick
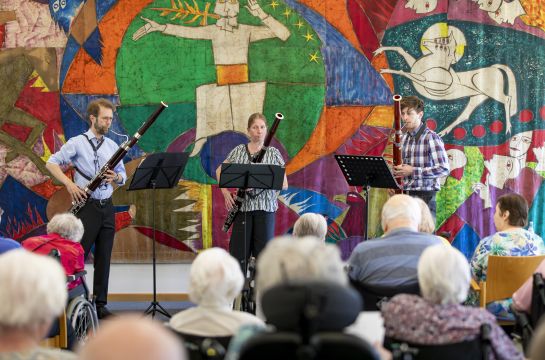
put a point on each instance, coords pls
(102, 130)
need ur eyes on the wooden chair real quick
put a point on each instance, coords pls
(60, 340)
(505, 274)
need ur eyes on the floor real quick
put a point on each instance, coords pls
(171, 307)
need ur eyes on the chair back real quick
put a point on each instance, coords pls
(374, 296)
(505, 274)
(476, 349)
(322, 346)
(311, 307)
(204, 347)
(60, 339)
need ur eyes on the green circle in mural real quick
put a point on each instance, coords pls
(215, 70)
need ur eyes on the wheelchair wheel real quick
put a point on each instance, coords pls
(82, 315)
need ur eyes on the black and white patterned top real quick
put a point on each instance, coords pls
(257, 199)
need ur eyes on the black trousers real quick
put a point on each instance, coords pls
(251, 232)
(99, 223)
(427, 196)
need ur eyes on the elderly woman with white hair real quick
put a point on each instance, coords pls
(310, 224)
(33, 294)
(215, 279)
(64, 233)
(286, 261)
(438, 317)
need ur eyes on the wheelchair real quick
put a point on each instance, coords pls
(81, 314)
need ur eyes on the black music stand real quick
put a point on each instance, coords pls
(366, 171)
(248, 176)
(158, 171)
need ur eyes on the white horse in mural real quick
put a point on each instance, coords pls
(433, 77)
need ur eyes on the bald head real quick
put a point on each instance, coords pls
(133, 337)
(400, 211)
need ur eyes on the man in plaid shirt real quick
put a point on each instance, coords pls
(424, 157)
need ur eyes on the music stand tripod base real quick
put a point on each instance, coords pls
(158, 171)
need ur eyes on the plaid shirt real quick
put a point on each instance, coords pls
(428, 158)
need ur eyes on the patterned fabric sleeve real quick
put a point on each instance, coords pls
(278, 160)
(439, 166)
(479, 261)
(234, 155)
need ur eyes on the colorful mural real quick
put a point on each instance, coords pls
(330, 67)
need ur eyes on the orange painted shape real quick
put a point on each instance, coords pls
(380, 62)
(335, 126)
(232, 74)
(381, 116)
(336, 14)
(86, 76)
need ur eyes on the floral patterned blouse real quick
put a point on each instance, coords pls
(517, 242)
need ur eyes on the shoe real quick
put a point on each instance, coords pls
(103, 312)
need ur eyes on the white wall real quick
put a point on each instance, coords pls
(138, 278)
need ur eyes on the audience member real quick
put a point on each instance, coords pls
(134, 338)
(390, 261)
(33, 294)
(285, 261)
(310, 224)
(512, 239)
(215, 279)
(7, 244)
(427, 223)
(437, 317)
(64, 232)
(522, 298)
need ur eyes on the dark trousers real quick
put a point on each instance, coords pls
(99, 223)
(427, 196)
(251, 232)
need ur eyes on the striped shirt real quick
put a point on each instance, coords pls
(257, 199)
(427, 156)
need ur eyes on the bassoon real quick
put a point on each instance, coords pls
(241, 193)
(397, 150)
(95, 182)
